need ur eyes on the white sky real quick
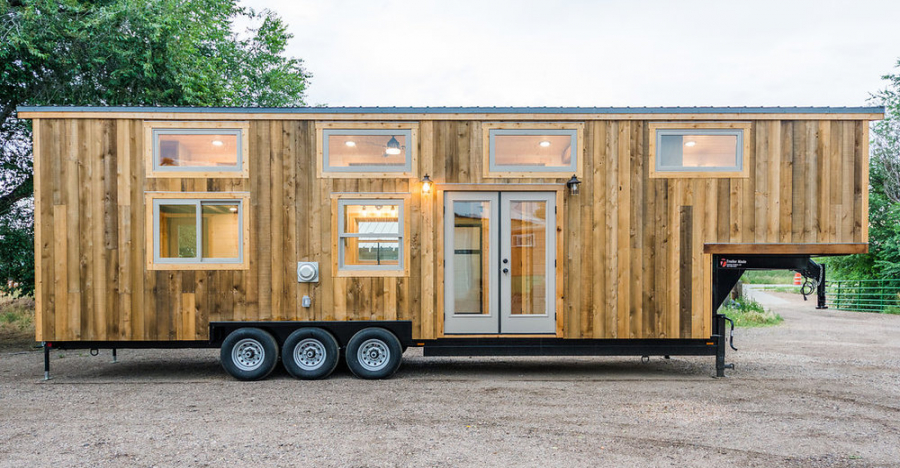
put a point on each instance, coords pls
(600, 53)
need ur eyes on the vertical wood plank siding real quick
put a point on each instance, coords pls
(633, 261)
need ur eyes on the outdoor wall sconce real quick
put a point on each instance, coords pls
(573, 185)
(426, 184)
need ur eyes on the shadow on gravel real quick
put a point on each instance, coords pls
(160, 368)
(554, 368)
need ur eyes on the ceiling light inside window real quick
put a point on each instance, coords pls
(218, 143)
(545, 144)
(233, 209)
(690, 143)
(350, 143)
(393, 147)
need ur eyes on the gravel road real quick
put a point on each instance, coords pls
(822, 389)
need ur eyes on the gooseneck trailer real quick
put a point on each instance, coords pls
(309, 235)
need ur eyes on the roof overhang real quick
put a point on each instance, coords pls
(455, 113)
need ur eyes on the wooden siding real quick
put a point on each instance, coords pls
(632, 255)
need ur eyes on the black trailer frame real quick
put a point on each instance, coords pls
(727, 270)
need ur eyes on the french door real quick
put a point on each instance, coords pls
(499, 262)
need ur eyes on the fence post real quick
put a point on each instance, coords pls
(838, 295)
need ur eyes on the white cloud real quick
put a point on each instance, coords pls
(582, 53)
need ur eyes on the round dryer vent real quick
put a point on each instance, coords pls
(307, 272)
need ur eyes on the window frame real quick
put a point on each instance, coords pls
(490, 129)
(152, 128)
(155, 262)
(411, 129)
(741, 129)
(340, 200)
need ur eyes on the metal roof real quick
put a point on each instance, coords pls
(466, 110)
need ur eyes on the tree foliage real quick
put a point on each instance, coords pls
(883, 259)
(129, 52)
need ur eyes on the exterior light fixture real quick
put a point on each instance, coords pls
(545, 144)
(573, 185)
(217, 143)
(393, 147)
(426, 184)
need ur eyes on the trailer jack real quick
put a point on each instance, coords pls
(719, 334)
(47, 347)
(814, 281)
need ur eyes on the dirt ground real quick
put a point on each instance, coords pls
(822, 389)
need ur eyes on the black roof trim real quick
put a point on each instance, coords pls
(465, 110)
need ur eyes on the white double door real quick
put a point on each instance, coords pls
(499, 262)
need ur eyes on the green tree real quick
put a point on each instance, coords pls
(126, 52)
(883, 259)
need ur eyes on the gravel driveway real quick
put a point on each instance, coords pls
(819, 390)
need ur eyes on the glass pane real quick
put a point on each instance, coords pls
(372, 151)
(698, 151)
(539, 151)
(177, 231)
(198, 150)
(364, 251)
(471, 257)
(372, 219)
(528, 265)
(221, 230)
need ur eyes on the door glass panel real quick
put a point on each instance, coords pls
(528, 252)
(471, 257)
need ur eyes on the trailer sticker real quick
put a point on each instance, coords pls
(738, 263)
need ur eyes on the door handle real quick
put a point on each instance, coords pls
(506, 270)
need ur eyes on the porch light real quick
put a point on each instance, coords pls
(573, 185)
(426, 184)
(393, 147)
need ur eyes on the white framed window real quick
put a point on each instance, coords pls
(371, 233)
(362, 150)
(197, 149)
(191, 231)
(532, 149)
(702, 149)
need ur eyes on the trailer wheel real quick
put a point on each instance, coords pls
(374, 353)
(249, 354)
(310, 353)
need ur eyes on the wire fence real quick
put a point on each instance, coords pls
(864, 295)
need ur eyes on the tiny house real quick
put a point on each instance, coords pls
(309, 235)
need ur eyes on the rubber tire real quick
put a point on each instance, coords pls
(388, 339)
(332, 353)
(270, 350)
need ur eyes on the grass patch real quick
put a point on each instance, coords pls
(768, 277)
(16, 322)
(749, 313)
(784, 289)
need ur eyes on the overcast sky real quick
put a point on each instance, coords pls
(600, 53)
